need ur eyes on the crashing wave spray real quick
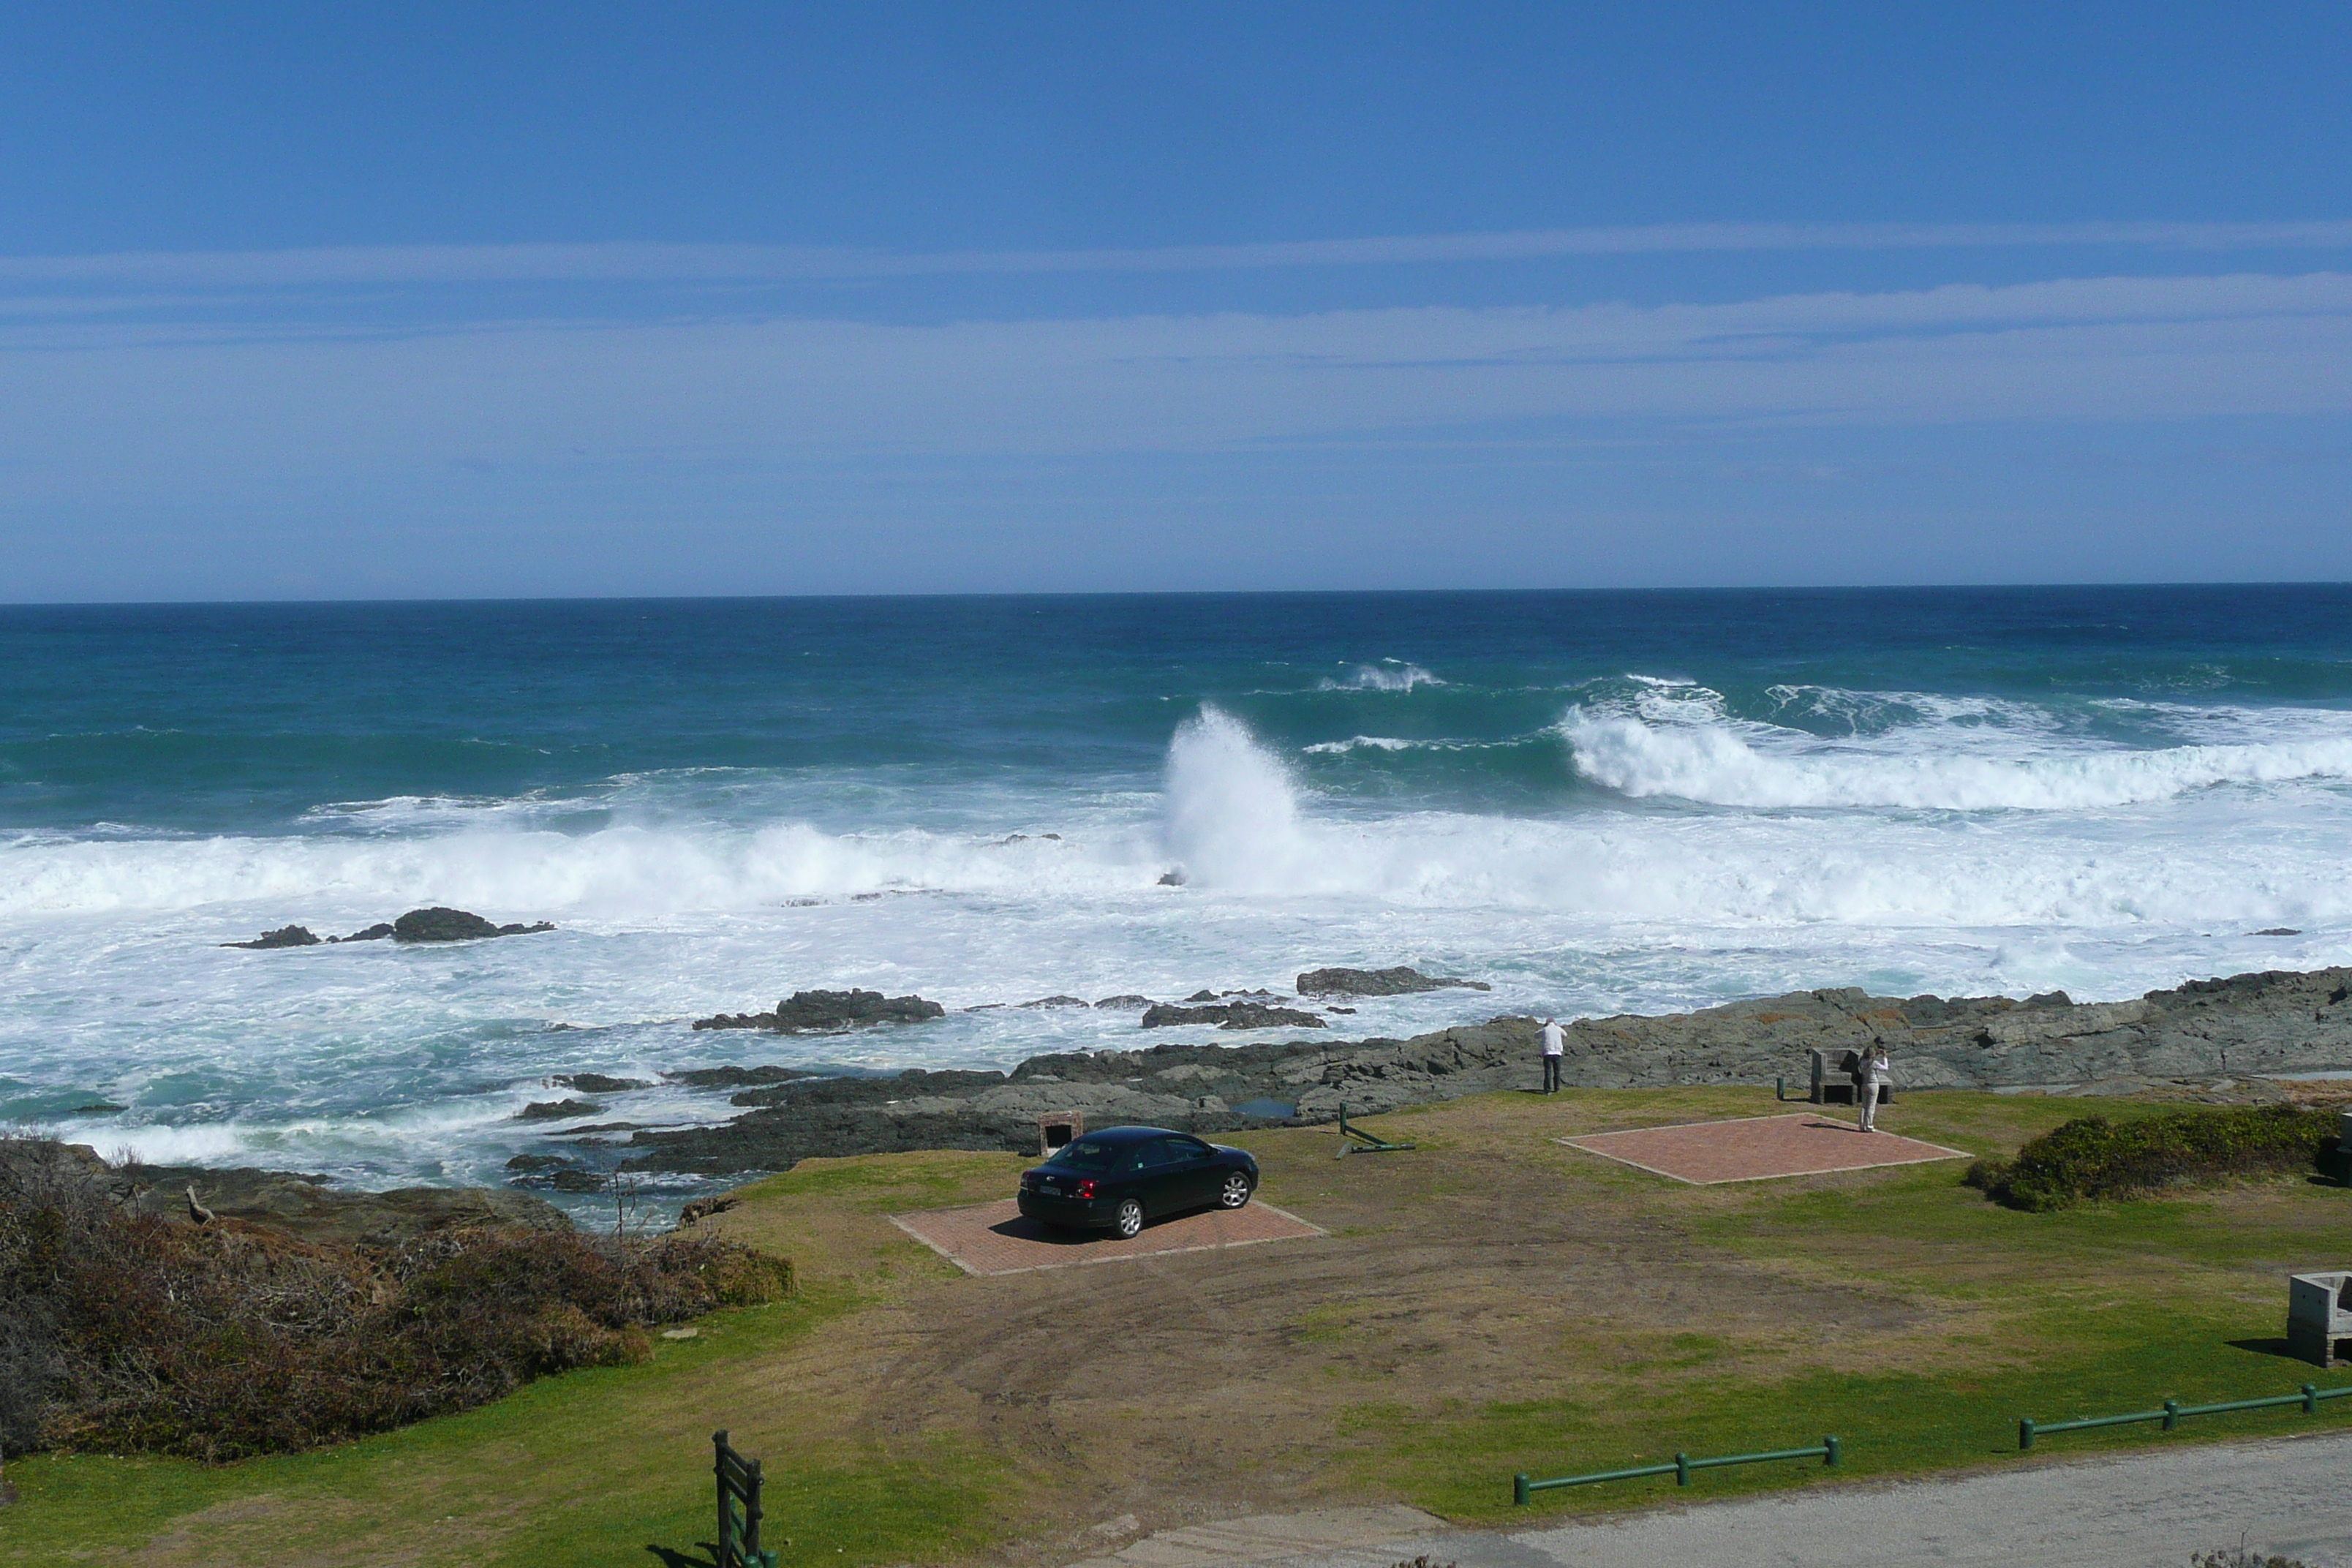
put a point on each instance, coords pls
(1232, 810)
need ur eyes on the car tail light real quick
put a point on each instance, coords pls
(1086, 1189)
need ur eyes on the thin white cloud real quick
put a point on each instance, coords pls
(109, 410)
(491, 264)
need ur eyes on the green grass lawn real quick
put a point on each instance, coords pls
(2090, 1310)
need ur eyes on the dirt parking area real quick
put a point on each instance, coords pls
(996, 1238)
(1202, 1384)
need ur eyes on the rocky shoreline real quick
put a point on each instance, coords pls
(2203, 1034)
(2207, 1038)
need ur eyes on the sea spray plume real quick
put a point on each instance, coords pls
(1232, 810)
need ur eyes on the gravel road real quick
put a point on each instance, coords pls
(2290, 1496)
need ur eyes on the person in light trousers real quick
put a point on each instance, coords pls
(1870, 1070)
(1554, 1042)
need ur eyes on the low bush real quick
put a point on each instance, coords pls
(121, 1332)
(2093, 1158)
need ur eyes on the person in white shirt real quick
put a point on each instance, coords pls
(1870, 1070)
(1555, 1041)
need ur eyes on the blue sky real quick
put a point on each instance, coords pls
(389, 301)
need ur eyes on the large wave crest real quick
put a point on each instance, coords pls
(1717, 762)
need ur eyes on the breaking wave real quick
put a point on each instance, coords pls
(1719, 762)
(1387, 675)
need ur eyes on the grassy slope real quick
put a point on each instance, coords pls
(2098, 1311)
(2099, 1308)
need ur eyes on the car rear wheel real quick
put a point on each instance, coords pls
(1235, 1192)
(1127, 1223)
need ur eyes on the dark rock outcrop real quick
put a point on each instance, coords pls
(913, 1083)
(1056, 1002)
(1399, 981)
(733, 1076)
(439, 924)
(284, 936)
(558, 1109)
(1231, 1016)
(597, 1083)
(829, 1013)
(416, 925)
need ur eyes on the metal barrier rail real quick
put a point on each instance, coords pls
(1827, 1450)
(2028, 1428)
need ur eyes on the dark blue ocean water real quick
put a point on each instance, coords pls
(241, 718)
(1596, 801)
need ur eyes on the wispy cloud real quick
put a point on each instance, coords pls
(428, 265)
(100, 406)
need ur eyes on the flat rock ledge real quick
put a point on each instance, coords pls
(2248, 1026)
(1399, 981)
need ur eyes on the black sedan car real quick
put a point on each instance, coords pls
(1117, 1178)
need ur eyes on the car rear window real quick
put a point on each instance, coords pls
(1085, 1156)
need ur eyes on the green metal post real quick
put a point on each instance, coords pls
(2171, 1414)
(1520, 1488)
(1830, 1454)
(2025, 1433)
(2310, 1399)
(1681, 1470)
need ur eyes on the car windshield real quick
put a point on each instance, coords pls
(1086, 1156)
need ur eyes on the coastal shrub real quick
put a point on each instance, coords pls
(2092, 1157)
(119, 1331)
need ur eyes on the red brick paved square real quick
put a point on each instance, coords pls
(1758, 1149)
(993, 1238)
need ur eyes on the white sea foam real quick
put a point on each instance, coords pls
(1387, 675)
(321, 1059)
(1955, 756)
(1397, 743)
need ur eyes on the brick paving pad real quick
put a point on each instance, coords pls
(993, 1238)
(1758, 1149)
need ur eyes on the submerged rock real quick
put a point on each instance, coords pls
(829, 1013)
(1127, 1003)
(1056, 1002)
(1399, 981)
(284, 936)
(375, 932)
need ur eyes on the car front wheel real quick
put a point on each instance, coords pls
(1235, 1192)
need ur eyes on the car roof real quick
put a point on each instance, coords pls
(1127, 1135)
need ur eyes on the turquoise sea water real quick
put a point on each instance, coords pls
(1596, 802)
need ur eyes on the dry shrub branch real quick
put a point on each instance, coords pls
(119, 1331)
